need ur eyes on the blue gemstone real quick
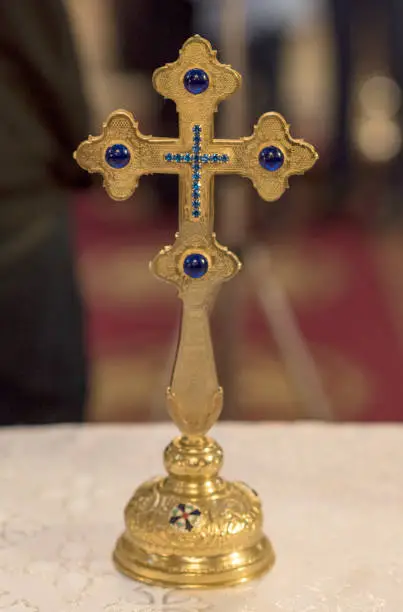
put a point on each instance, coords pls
(177, 157)
(196, 138)
(168, 157)
(195, 213)
(195, 265)
(196, 176)
(215, 158)
(224, 158)
(196, 198)
(196, 166)
(196, 193)
(196, 148)
(117, 156)
(196, 81)
(196, 203)
(196, 129)
(187, 158)
(271, 158)
(195, 184)
(204, 158)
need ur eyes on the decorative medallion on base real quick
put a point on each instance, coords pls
(192, 528)
(185, 517)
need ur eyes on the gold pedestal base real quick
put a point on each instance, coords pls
(193, 529)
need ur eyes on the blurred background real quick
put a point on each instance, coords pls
(313, 327)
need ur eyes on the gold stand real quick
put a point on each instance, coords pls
(226, 545)
(193, 529)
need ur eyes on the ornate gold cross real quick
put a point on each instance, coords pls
(197, 264)
(193, 528)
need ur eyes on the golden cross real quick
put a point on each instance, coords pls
(196, 263)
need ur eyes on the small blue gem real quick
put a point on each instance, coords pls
(215, 158)
(196, 176)
(117, 156)
(271, 158)
(177, 157)
(196, 203)
(195, 148)
(196, 198)
(196, 185)
(196, 129)
(204, 158)
(168, 157)
(187, 158)
(196, 193)
(224, 158)
(196, 81)
(196, 138)
(196, 166)
(196, 213)
(195, 264)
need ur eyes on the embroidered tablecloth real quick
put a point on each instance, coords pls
(332, 494)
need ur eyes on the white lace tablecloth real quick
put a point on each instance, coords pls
(333, 499)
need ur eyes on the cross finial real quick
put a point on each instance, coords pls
(197, 82)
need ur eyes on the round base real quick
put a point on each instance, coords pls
(192, 533)
(194, 572)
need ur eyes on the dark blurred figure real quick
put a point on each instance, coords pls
(42, 118)
(265, 48)
(347, 16)
(150, 34)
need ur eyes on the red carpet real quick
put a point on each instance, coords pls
(339, 283)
